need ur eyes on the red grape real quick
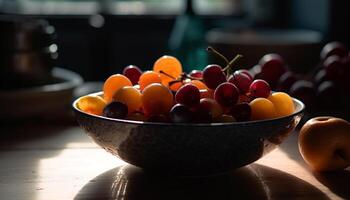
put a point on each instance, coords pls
(255, 71)
(212, 106)
(304, 91)
(241, 112)
(333, 66)
(115, 110)
(334, 48)
(259, 88)
(286, 81)
(180, 114)
(196, 74)
(133, 73)
(241, 80)
(188, 95)
(345, 76)
(203, 113)
(272, 68)
(320, 77)
(213, 76)
(246, 72)
(226, 94)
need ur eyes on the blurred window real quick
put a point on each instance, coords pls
(119, 7)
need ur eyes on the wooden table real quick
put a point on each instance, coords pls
(48, 162)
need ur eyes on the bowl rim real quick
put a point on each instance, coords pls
(67, 80)
(76, 109)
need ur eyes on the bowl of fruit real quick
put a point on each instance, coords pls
(204, 122)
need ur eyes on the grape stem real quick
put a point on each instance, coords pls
(228, 69)
(166, 74)
(212, 50)
(230, 64)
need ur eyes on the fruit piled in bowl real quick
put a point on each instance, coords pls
(212, 121)
(167, 94)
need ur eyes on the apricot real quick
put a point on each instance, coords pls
(91, 104)
(113, 84)
(283, 103)
(130, 96)
(262, 108)
(324, 143)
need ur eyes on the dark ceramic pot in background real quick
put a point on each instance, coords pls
(188, 149)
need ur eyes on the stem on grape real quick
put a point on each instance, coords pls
(230, 64)
(194, 78)
(166, 74)
(212, 50)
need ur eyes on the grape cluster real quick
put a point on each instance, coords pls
(325, 88)
(167, 94)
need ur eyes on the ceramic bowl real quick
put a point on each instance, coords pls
(41, 102)
(188, 149)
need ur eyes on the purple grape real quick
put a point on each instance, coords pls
(188, 95)
(241, 80)
(241, 112)
(115, 110)
(259, 88)
(180, 114)
(213, 76)
(226, 94)
(334, 48)
(133, 73)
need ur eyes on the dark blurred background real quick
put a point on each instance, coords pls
(96, 38)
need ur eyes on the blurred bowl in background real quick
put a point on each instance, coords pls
(300, 48)
(26, 69)
(46, 101)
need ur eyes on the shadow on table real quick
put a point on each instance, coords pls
(338, 182)
(250, 182)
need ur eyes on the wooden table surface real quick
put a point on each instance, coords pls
(49, 162)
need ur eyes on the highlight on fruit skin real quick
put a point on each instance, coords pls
(113, 84)
(324, 143)
(148, 78)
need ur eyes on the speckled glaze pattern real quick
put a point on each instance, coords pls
(188, 149)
